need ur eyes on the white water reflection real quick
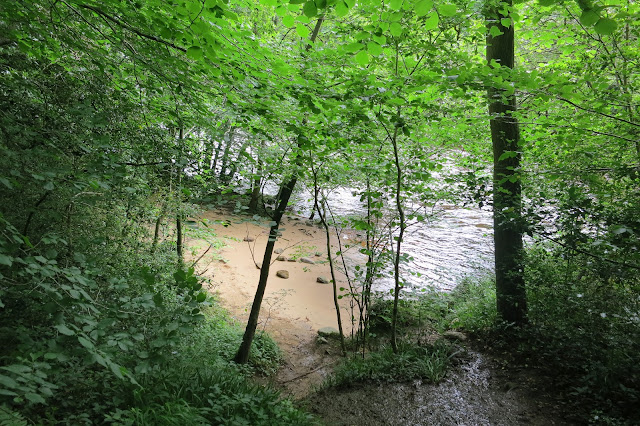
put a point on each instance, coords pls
(458, 243)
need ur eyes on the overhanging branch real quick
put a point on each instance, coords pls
(130, 28)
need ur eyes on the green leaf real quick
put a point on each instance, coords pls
(374, 48)
(341, 9)
(302, 30)
(589, 18)
(423, 7)
(6, 183)
(605, 26)
(288, 21)
(201, 297)
(310, 9)
(396, 4)
(8, 382)
(395, 29)
(547, 2)
(117, 370)
(495, 31)
(506, 22)
(448, 9)
(362, 58)
(354, 47)
(5, 260)
(86, 342)
(35, 398)
(194, 52)
(432, 22)
(63, 329)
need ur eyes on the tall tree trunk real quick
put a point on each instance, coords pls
(507, 190)
(257, 181)
(179, 237)
(334, 282)
(283, 199)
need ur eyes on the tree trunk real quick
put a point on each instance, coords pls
(179, 237)
(396, 260)
(283, 199)
(323, 218)
(243, 353)
(256, 190)
(507, 190)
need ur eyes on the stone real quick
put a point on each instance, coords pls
(282, 274)
(318, 254)
(291, 259)
(282, 258)
(309, 223)
(321, 340)
(249, 239)
(322, 280)
(328, 332)
(455, 335)
(307, 260)
(278, 251)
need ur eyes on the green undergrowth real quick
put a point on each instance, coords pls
(584, 329)
(426, 362)
(119, 334)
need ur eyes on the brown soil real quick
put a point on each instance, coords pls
(293, 309)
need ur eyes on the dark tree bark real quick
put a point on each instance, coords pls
(507, 190)
(179, 237)
(283, 199)
(243, 353)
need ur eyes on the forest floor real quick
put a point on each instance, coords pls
(480, 389)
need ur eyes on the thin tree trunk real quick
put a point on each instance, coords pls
(285, 194)
(325, 225)
(396, 260)
(179, 237)
(507, 190)
(243, 353)
(256, 190)
(156, 232)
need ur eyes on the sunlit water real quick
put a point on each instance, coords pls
(458, 242)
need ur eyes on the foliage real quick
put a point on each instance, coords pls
(473, 305)
(117, 116)
(428, 362)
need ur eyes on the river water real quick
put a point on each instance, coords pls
(456, 243)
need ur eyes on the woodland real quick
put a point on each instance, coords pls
(122, 120)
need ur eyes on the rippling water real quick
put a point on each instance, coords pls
(458, 243)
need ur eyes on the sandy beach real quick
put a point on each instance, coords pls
(294, 308)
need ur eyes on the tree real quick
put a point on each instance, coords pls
(507, 189)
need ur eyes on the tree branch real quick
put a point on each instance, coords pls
(130, 28)
(613, 117)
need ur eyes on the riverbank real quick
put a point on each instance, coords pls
(294, 308)
(477, 390)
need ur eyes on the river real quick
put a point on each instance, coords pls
(457, 242)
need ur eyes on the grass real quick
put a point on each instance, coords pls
(427, 362)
